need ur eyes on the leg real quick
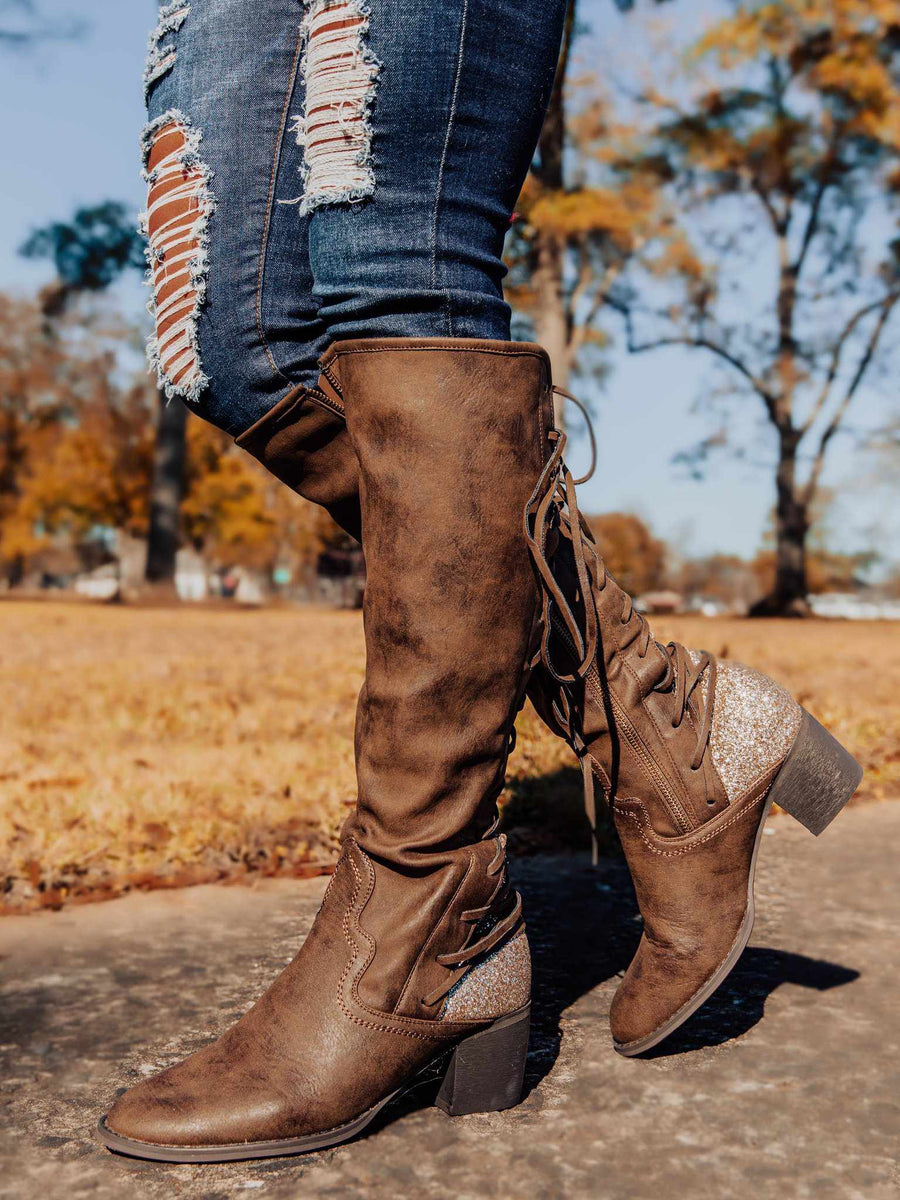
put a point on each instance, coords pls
(418, 959)
(237, 326)
(689, 753)
(419, 127)
(454, 114)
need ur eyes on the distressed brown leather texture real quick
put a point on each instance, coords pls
(693, 895)
(627, 725)
(451, 438)
(689, 849)
(309, 1056)
(650, 757)
(641, 745)
(303, 441)
(449, 456)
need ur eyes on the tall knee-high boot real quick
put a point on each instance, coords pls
(418, 960)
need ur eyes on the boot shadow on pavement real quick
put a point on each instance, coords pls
(740, 1002)
(584, 928)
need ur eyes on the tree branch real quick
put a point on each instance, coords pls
(836, 356)
(601, 297)
(698, 343)
(887, 306)
(812, 224)
(776, 220)
(579, 291)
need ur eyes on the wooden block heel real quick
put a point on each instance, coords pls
(818, 777)
(486, 1071)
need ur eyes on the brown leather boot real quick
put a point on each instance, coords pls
(694, 753)
(417, 963)
(304, 442)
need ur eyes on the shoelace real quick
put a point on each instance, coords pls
(678, 669)
(686, 680)
(554, 495)
(554, 502)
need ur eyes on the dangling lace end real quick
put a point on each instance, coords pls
(590, 429)
(590, 805)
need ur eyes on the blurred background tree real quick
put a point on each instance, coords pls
(45, 382)
(570, 236)
(576, 226)
(78, 449)
(635, 557)
(22, 25)
(746, 208)
(89, 253)
(776, 152)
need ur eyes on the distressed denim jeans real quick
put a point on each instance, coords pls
(327, 170)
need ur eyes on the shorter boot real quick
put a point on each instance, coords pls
(692, 753)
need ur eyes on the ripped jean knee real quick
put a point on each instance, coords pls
(235, 324)
(334, 129)
(179, 205)
(416, 123)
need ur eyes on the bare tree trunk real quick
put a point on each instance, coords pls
(166, 495)
(788, 596)
(11, 459)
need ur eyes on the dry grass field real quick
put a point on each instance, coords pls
(157, 747)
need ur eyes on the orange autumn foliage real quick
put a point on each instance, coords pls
(76, 454)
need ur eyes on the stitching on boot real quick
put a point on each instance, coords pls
(458, 349)
(442, 1029)
(179, 205)
(470, 866)
(636, 817)
(335, 130)
(162, 55)
(354, 950)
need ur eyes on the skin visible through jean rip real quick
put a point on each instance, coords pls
(161, 55)
(179, 205)
(340, 74)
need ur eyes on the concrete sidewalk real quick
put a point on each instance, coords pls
(786, 1084)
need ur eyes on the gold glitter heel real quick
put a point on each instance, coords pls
(486, 1071)
(818, 777)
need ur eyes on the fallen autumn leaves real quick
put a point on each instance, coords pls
(159, 748)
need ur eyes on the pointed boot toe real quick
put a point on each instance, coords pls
(204, 1102)
(417, 966)
(691, 754)
(668, 979)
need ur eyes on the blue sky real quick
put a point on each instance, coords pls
(72, 114)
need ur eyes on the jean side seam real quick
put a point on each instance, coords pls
(440, 179)
(267, 224)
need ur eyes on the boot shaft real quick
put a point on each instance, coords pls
(451, 437)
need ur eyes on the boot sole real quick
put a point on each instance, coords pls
(483, 1073)
(815, 782)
